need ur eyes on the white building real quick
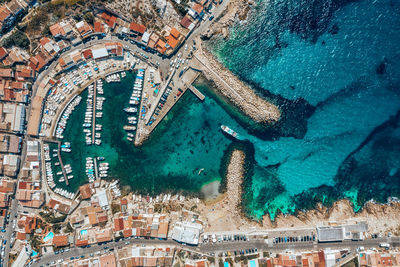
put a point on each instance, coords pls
(187, 232)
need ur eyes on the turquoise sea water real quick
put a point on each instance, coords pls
(189, 139)
(345, 62)
(340, 58)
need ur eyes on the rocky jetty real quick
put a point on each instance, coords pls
(238, 92)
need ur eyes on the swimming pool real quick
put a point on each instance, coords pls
(48, 237)
(252, 263)
(84, 232)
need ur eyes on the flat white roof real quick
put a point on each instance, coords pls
(145, 37)
(103, 200)
(99, 53)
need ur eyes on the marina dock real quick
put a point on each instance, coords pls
(94, 112)
(179, 86)
(61, 162)
(96, 171)
(196, 92)
(153, 107)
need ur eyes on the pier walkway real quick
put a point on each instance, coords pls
(96, 172)
(94, 112)
(157, 100)
(61, 163)
(196, 92)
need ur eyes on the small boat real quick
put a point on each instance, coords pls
(100, 158)
(129, 128)
(130, 110)
(129, 139)
(229, 131)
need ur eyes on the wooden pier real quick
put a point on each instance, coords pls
(94, 112)
(196, 92)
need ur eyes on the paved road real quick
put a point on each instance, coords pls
(261, 244)
(74, 252)
(14, 207)
(224, 246)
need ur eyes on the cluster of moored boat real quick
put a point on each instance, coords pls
(49, 171)
(62, 123)
(116, 191)
(99, 87)
(66, 147)
(113, 78)
(64, 193)
(87, 124)
(103, 169)
(50, 175)
(91, 168)
(134, 101)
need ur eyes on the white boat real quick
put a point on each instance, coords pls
(129, 128)
(130, 110)
(229, 131)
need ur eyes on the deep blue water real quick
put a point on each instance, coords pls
(343, 58)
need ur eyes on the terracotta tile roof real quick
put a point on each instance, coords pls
(21, 236)
(60, 240)
(127, 233)
(6, 73)
(171, 41)
(108, 261)
(85, 190)
(118, 224)
(175, 33)
(82, 243)
(98, 27)
(110, 20)
(198, 8)
(137, 27)
(3, 52)
(56, 30)
(4, 13)
(161, 46)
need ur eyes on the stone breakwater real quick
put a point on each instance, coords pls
(235, 172)
(239, 93)
(226, 214)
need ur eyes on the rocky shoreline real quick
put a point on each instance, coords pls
(237, 10)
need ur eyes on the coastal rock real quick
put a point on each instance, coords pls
(237, 10)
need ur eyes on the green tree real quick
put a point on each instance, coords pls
(68, 228)
(19, 39)
(89, 18)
